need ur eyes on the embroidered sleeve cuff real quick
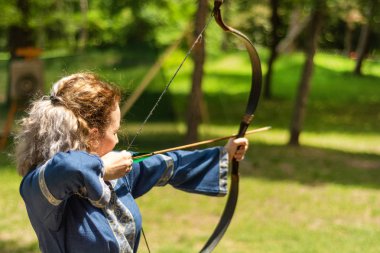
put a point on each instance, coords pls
(44, 189)
(168, 173)
(223, 171)
(201, 171)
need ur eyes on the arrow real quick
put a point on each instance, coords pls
(140, 157)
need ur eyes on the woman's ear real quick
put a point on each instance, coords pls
(94, 137)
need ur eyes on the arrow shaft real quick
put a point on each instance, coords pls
(200, 143)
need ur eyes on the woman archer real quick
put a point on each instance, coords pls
(80, 193)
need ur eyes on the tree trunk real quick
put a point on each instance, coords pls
(275, 40)
(296, 26)
(194, 115)
(348, 39)
(362, 48)
(83, 33)
(304, 85)
(21, 35)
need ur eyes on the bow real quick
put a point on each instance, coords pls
(253, 100)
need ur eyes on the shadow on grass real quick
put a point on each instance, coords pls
(313, 166)
(13, 246)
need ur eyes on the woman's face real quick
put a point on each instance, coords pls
(110, 139)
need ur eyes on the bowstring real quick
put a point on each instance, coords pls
(199, 37)
(145, 240)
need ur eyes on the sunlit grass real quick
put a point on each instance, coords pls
(271, 216)
(340, 63)
(283, 205)
(355, 143)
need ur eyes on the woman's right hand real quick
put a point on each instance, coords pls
(116, 164)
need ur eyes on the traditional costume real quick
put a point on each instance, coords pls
(72, 209)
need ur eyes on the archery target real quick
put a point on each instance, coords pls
(26, 79)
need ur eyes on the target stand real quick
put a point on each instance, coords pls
(26, 80)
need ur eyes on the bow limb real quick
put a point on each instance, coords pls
(253, 100)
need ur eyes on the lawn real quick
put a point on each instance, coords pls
(321, 197)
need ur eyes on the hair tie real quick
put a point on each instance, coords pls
(55, 100)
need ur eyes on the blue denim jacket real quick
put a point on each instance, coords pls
(72, 209)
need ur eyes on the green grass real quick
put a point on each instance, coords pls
(271, 217)
(16, 233)
(321, 197)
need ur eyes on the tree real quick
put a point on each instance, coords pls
(194, 115)
(299, 112)
(351, 16)
(21, 34)
(274, 41)
(83, 34)
(362, 48)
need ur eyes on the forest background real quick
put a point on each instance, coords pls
(310, 184)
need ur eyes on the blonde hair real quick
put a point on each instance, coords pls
(62, 121)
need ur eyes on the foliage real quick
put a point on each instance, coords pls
(110, 23)
(254, 19)
(10, 14)
(158, 22)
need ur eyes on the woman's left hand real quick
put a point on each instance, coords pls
(237, 148)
